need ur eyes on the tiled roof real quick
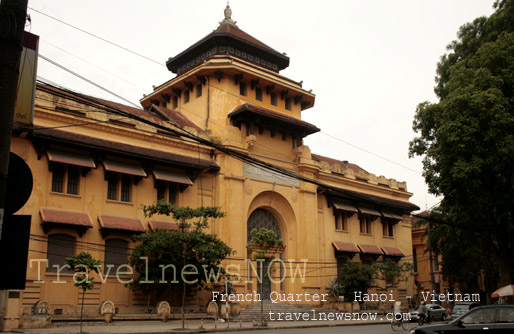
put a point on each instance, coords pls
(392, 251)
(177, 118)
(121, 223)
(348, 247)
(132, 150)
(273, 118)
(159, 225)
(235, 31)
(63, 217)
(370, 249)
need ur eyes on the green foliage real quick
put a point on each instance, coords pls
(264, 243)
(353, 277)
(467, 144)
(389, 269)
(82, 265)
(360, 277)
(189, 246)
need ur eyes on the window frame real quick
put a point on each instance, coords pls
(258, 94)
(66, 176)
(243, 91)
(120, 185)
(167, 192)
(273, 99)
(109, 260)
(368, 222)
(58, 253)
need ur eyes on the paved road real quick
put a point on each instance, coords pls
(360, 329)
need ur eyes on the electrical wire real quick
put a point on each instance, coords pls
(98, 37)
(85, 79)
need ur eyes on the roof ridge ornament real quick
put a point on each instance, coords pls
(228, 17)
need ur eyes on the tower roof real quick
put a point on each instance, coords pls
(229, 40)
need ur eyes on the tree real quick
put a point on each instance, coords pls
(467, 143)
(360, 277)
(353, 277)
(82, 265)
(392, 272)
(184, 260)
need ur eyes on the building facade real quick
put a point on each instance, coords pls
(428, 276)
(226, 131)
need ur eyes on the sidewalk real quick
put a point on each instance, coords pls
(175, 326)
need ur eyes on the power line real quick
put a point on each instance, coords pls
(369, 152)
(85, 79)
(97, 67)
(98, 37)
(149, 59)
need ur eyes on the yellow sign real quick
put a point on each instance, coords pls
(24, 110)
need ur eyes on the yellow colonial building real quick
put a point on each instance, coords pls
(226, 131)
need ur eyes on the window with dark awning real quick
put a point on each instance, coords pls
(120, 224)
(60, 218)
(338, 205)
(393, 251)
(70, 158)
(367, 210)
(346, 247)
(123, 168)
(370, 249)
(390, 214)
(174, 177)
(159, 225)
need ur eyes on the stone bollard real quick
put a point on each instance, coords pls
(107, 309)
(164, 309)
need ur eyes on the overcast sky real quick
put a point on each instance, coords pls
(368, 62)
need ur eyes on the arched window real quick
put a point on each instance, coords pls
(116, 254)
(262, 218)
(60, 246)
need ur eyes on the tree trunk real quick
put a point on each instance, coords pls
(82, 309)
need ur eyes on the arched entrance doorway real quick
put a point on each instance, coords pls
(263, 218)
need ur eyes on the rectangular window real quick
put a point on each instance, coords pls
(65, 179)
(175, 102)
(112, 187)
(415, 260)
(161, 191)
(172, 193)
(242, 89)
(288, 103)
(340, 263)
(73, 180)
(116, 254)
(58, 178)
(186, 96)
(125, 188)
(198, 90)
(119, 187)
(388, 228)
(273, 99)
(167, 191)
(258, 94)
(60, 246)
(342, 221)
(365, 224)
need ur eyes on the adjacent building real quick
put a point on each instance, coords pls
(96, 162)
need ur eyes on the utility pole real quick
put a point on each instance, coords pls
(13, 14)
